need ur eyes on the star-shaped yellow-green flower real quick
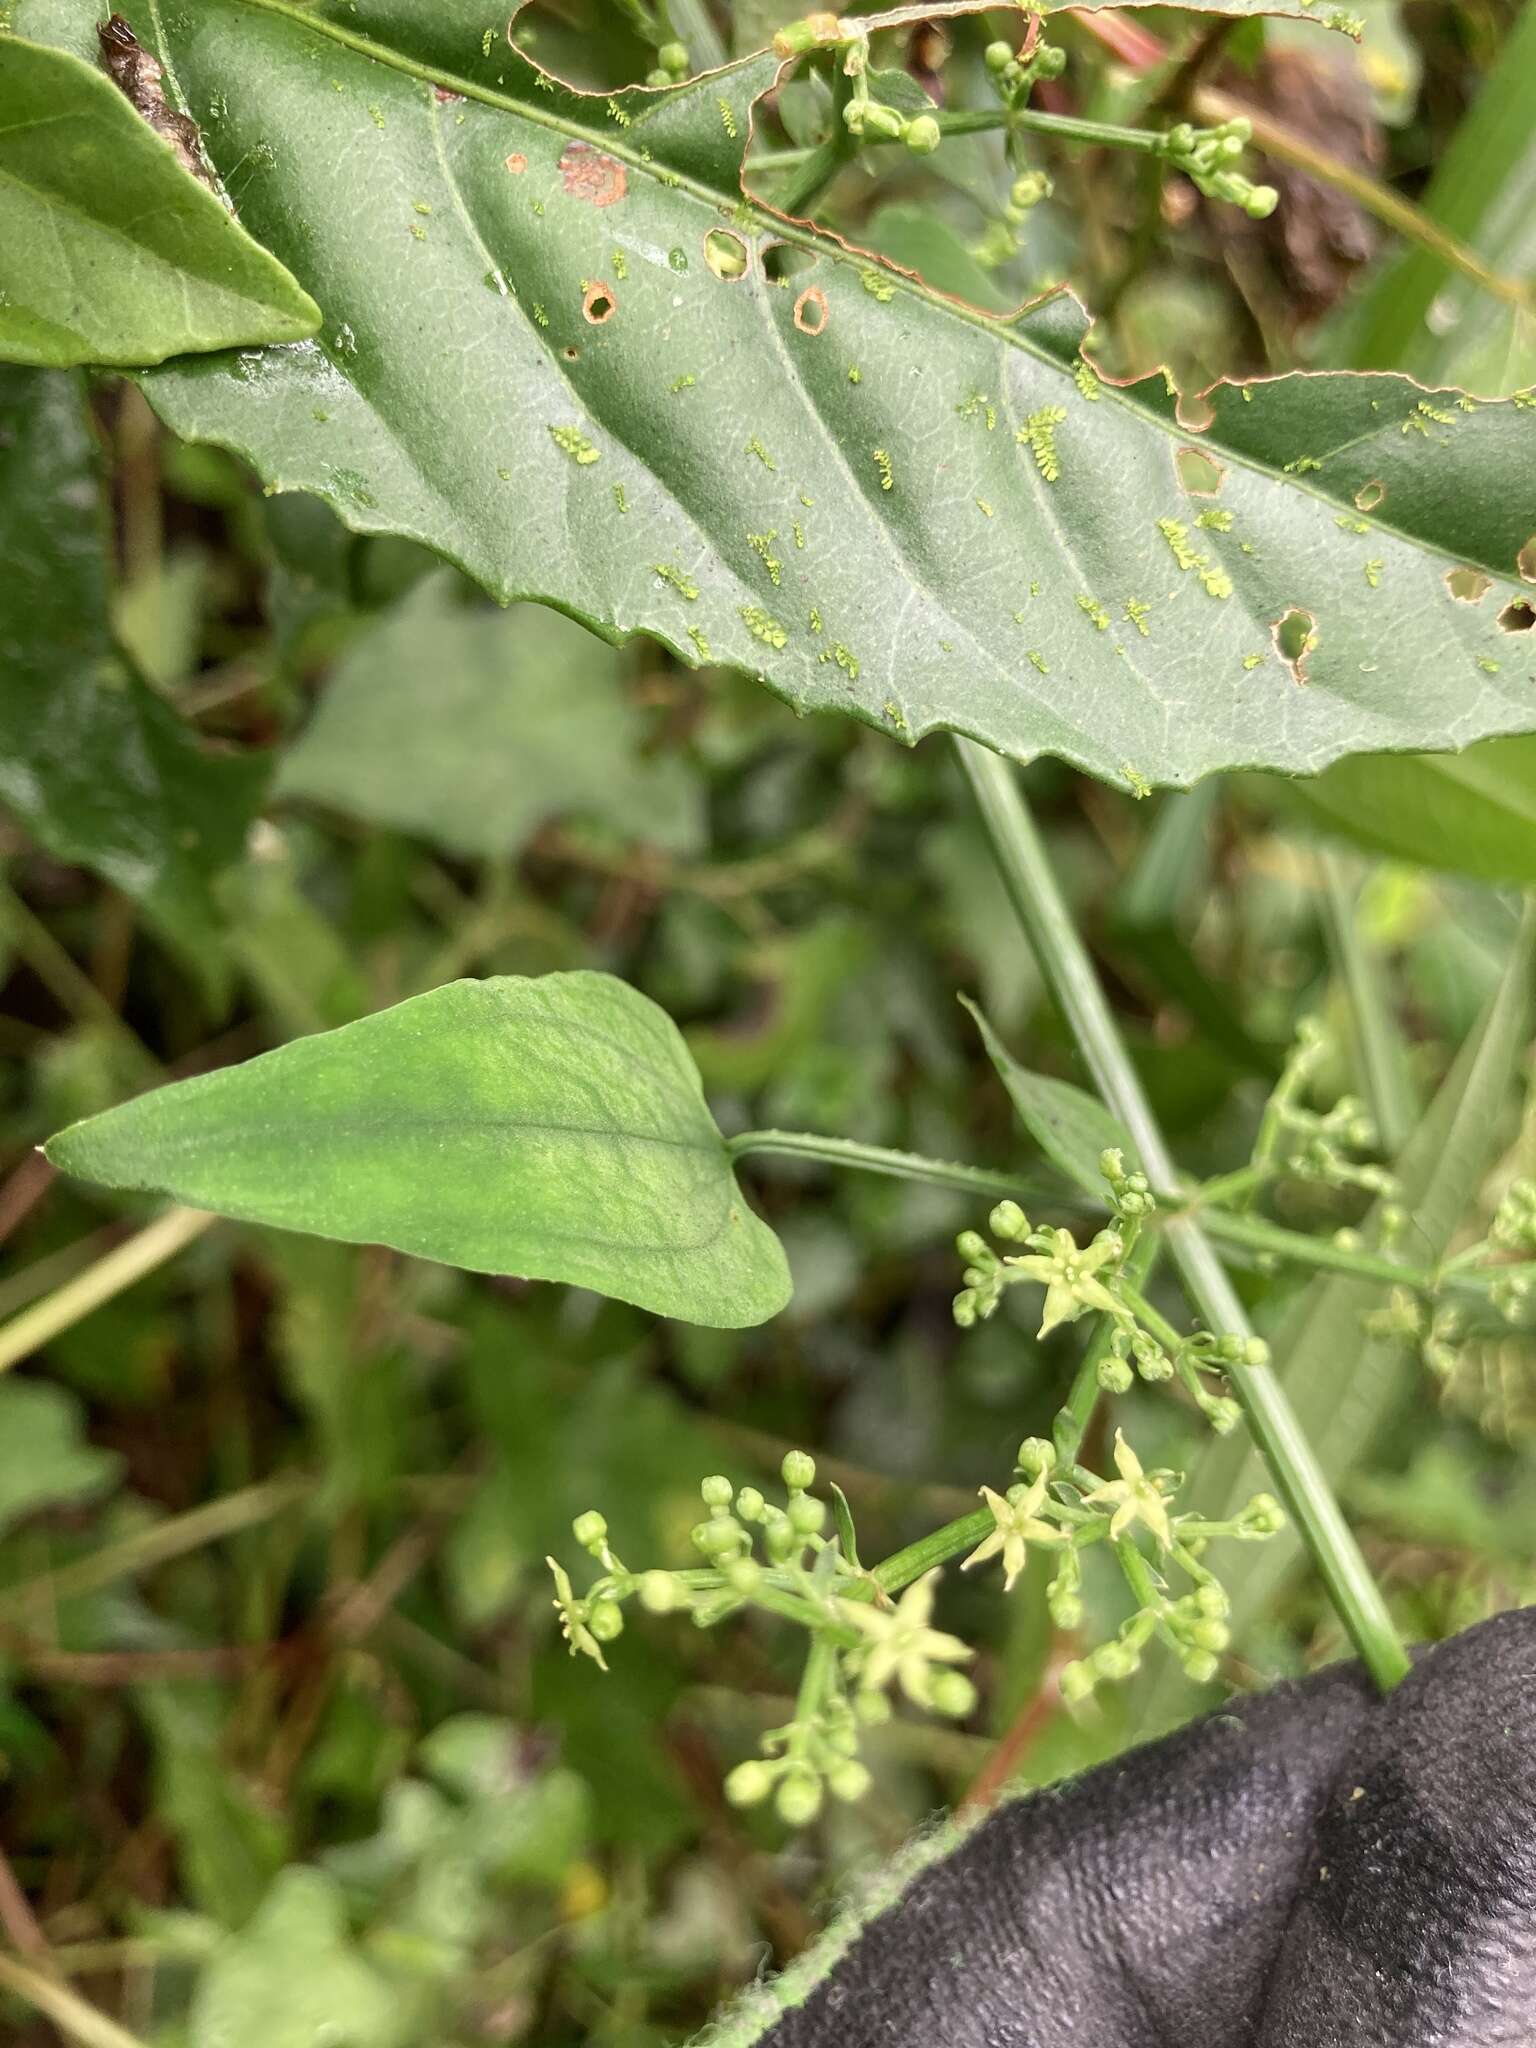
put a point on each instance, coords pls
(1068, 1275)
(1134, 1496)
(572, 1626)
(901, 1643)
(1018, 1524)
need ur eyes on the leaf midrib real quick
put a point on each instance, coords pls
(1001, 327)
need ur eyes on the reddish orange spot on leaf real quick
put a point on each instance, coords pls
(517, 163)
(590, 175)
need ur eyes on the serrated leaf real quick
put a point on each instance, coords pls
(888, 504)
(1473, 813)
(1070, 1127)
(111, 252)
(529, 722)
(553, 1128)
(99, 768)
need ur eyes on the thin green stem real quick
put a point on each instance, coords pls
(1032, 887)
(822, 163)
(1076, 1412)
(943, 1173)
(983, 121)
(1385, 1080)
(120, 1268)
(1230, 1187)
(937, 1547)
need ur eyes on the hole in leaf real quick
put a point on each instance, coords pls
(1525, 561)
(726, 254)
(598, 304)
(571, 352)
(811, 310)
(1468, 586)
(1370, 495)
(1196, 411)
(1295, 636)
(1199, 474)
(783, 260)
(1518, 616)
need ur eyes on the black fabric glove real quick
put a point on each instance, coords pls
(1315, 1867)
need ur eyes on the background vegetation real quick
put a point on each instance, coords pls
(287, 1727)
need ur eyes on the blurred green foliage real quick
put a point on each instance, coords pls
(291, 1750)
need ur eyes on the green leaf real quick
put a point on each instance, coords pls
(100, 769)
(1474, 813)
(529, 363)
(110, 251)
(1070, 1127)
(293, 1978)
(45, 1460)
(553, 1128)
(528, 721)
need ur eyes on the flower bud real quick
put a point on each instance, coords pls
(798, 1798)
(1037, 1454)
(963, 1308)
(717, 1491)
(1009, 1222)
(1199, 1665)
(660, 1593)
(848, 1781)
(885, 123)
(750, 1504)
(806, 1515)
(1210, 1635)
(798, 1471)
(998, 56)
(871, 1708)
(951, 1693)
(750, 1783)
(923, 137)
(1076, 1683)
(974, 1249)
(1261, 202)
(1066, 1609)
(1179, 140)
(605, 1618)
(673, 57)
(590, 1530)
(1114, 1375)
(742, 1574)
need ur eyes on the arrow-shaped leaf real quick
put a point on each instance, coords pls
(553, 1128)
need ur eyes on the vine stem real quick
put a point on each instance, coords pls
(1032, 887)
